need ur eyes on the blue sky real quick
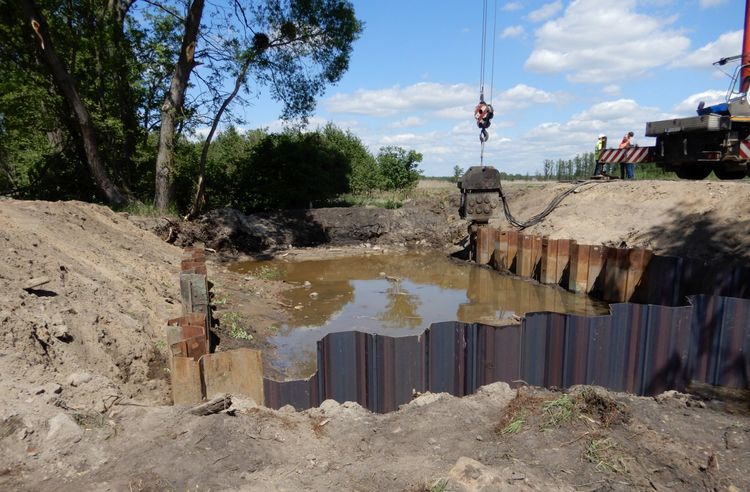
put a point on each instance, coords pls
(565, 71)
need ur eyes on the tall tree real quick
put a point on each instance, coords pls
(173, 104)
(294, 48)
(81, 116)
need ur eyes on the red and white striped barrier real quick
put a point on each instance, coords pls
(745, 149)
(633, 155)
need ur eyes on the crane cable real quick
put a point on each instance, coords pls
(484, 136)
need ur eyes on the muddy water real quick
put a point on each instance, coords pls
(396, 295)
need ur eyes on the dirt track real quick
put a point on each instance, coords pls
(83, 359)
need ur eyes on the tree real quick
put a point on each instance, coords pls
(364, 175)
(399, 167)
(457, 173)
(173, 103)
(67, 87)
(295, 49)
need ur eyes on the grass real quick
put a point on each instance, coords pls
(160, 345)
(266, 272)
(515, 425)
(439, 486)
(557, 412)
(380, 199)
(233, 321)
(601, 452)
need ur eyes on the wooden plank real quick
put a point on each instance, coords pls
(185, 374)
(238, 372)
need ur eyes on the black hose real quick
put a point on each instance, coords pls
(544, 213)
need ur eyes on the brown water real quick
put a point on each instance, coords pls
(396, 295)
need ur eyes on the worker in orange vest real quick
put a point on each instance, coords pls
(627, 168)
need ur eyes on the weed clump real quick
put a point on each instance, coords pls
(602, 407)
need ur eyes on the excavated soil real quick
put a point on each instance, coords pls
(85, 391)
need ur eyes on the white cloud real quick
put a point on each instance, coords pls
(690, 103)
(512, 32)
(511, 6)
(522, 96)
(546, 11)
(394, 100)
(604, 40)
(710, 3)
(408, 122)
(454, 112)
(728, 44)
(612, 90)
(400, 139)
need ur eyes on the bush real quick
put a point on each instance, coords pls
(399, 168)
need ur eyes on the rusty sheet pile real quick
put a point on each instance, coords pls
(639, 347)
(609, 274)
(197, 373)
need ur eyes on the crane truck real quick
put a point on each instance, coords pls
(716, 139)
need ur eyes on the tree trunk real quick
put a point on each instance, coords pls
(66, 85)
(199, 199)
(164, 186)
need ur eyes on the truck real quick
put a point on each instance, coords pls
(716, 139)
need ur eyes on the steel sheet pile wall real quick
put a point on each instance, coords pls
(610, 274)
(642, 349)
(195, 372)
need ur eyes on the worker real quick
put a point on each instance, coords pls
(627, 169)
(601, 144)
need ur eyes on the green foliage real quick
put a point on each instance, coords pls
(233, 322)
(457, 173)
(290, 170)
(364, 175)
(515, 425)
(398, 168)
(557, 412)
(582, 166)
(121, 56)
(266, 272)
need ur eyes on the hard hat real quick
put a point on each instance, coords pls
(601, 135)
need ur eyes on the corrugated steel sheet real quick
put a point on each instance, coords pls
(642, 349)
(720, 341)
(609, 274)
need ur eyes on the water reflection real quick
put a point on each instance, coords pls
(397, 295)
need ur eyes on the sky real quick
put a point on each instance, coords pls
(564, 72)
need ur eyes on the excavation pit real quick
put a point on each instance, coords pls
(396, 295)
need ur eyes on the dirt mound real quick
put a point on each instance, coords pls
(701, 219)
(85, 295)
(427, 223)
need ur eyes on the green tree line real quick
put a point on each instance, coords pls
(257, 170)
(582, 166)
(99, 100)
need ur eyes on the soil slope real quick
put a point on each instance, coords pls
(705, 219)
(86, 292)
